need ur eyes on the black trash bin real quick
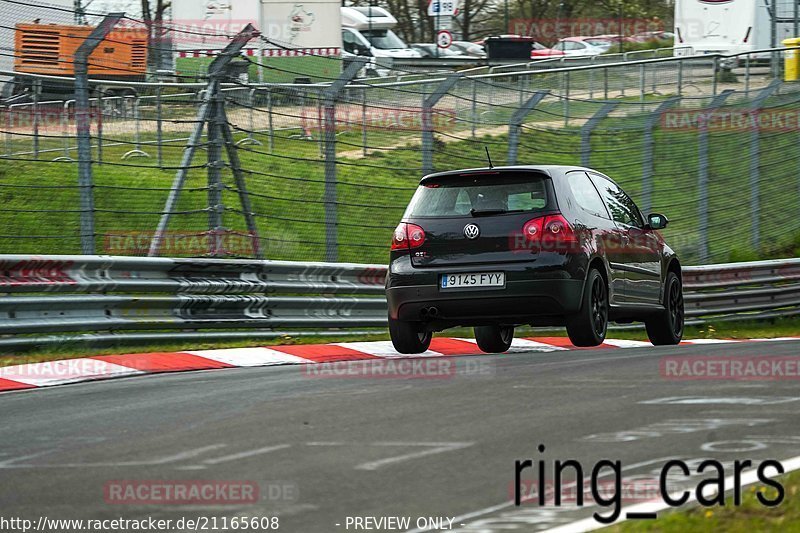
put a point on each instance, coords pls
(509, 47)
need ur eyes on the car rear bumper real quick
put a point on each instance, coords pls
(519, 302)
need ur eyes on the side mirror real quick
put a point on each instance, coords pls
(657, 221)
(363, 50)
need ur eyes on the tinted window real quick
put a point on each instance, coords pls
(585, 194)
(619, 204)
(458, 196)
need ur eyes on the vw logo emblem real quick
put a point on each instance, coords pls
(471, 231)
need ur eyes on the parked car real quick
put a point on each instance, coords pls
(542, 52)
(432, 50)
(653, 36)
(496, 248)
(579, 47)
(469, 49)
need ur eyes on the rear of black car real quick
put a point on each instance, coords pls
(484, 247)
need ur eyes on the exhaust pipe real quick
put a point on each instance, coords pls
(429, 313)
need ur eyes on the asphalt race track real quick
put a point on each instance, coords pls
(325, 449)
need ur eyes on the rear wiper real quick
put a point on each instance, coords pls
(486, 212)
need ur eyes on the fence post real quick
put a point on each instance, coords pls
(566, 98)
(474, 106)
(85, 181)
(755, 163)
(99, 126)
(330, 95)
(702, 178)
(427, 120)
(216, 208)
(516, 121)
(37, 93)
(216, 70)
(586, 130)
(364, 120)
(137, 135)
(159, 127)
(648, 170)
(269, 120)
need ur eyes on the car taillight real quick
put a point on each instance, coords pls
(407, 237)
(557, 229)
(532, 230)
(551, 233)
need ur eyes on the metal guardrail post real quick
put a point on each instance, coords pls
(364, 121)
(516, 121)
(641, 85)
(251, 120)
(159, 127)
(9, 125)
(37, 93)
(271, 137)
(648, 170)
(474, 106)
(427, 120)
(137, 134)
(680, 78)
(755, 164)
(330, 97)
(715, 71)
(82, 112)
(702, 176)
(566, 99)
(586, 130)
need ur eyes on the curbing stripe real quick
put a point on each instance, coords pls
(245, 357)
(382, 349)
(323, 353)
(35, 375)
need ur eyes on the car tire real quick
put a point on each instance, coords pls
(588, 326)
(409, 337)
(494, 339)
(666, 328)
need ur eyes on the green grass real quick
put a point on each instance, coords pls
(41, 199)
(749, 517)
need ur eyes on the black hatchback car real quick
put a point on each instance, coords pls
(496, 248)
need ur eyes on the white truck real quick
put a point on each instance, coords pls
(367, 31)
(303, 37)
(725, 27)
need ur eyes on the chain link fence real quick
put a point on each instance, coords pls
(323, 171)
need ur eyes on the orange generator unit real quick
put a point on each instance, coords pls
(50, 49)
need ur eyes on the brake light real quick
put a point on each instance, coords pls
(532, 230)
(407, 237)
(550, 233)
(557, 229)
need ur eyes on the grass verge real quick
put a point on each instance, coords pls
(749, 517)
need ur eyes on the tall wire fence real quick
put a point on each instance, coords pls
(324, 170)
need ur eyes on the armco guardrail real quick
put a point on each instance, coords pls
(150, 298)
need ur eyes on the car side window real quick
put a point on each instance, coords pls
(619, 204)
(585, 194)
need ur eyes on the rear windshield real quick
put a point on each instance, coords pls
(477, 195)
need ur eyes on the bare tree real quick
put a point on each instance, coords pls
(153, 17)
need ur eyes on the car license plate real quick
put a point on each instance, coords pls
(470, 280)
